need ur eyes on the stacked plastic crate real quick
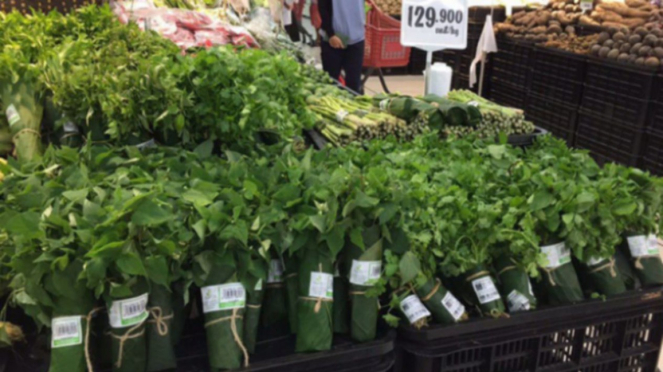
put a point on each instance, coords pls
(510, 73)
(613, 111)
(652, 154)
(555, 91)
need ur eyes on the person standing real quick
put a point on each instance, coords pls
(343, 33)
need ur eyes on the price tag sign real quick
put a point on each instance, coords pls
(434, 24)
(586, 5)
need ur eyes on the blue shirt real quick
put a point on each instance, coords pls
(348, 19)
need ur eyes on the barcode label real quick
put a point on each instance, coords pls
(67, 331)
(340, 115)
(223, 297)
(70, 127)
(485, 290)
(13, 116)
(275, 274)
(365, 272)
(321, 286)
(413, 309)
(473, 103)
(642, 245)
(258, 285)
(453, 306)
(129, 312)
(557, 254)
(517, 302)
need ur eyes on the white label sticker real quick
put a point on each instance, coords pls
(13, 116)
(453, 306)
(275, 274)
(557, 254)
(434, 24)
(413, 309)
(322, 286)
(340, 115)
(517, 302)
(129, 312)
(67, 331)
(642, 245)
(586, 5)
(384, 104)
(473, 103)
(485, 290)
(595, 261)
(365, 272)
(147, 144)
(529, 285)
(223, 297)
(258, 285)
(70, 127)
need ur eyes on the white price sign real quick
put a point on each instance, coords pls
(434, 24)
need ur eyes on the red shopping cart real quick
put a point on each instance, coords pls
(383, 44)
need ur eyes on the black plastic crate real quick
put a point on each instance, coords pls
(619, 334)
(479, 13)
(652, 148)
(555, 62)
(506, 94)
(517, 52)
(652, 166)
(657, 90)
(603, 153)
(610, 133)
(615, 106)
(556, 87)
(517, 75)
(585, 30)
(655, 118)
(557, 117)
(633, 82)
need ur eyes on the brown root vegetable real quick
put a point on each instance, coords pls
(658, 52)
(542, 18)
(586, 20)
(603, 36)
(634, 39)
(637, 13)
(618, 8)
(538, 30)
(570, 30)
(619, 36)
(632, 58)
(609, 16)
(656, 32)
(635, 48)
(553, 30)
(594, 50)
(650, 40)
(634, 22)
(652, 62)
(644, 51)
(613, 54)
(636, 3)
(623, 57)
(619, 26)
(625, 48)
(641, 31)
(603, 52)
(609, 43)
(640, 61)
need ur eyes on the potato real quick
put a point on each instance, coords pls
(656, 32)
(650, 40)
(635, 48)
(641, 31)
(632, 58)
(594, 50)
(634, 39)
(570, 30)
(640, 61)
(619, 36)
(625, 48)
(644, 51)
(652, 62)
(603, 36)
(603, 52)
(554, 30)
(609, 43)
(613, 54)
(623, 57)
(658, 52)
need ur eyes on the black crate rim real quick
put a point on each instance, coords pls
(644, 70)
(559, 52)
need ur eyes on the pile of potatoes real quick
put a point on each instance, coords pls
(392, 7)
(641, 46)
(557, 19)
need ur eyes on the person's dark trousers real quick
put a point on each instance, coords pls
(350, 60)
(293, 29)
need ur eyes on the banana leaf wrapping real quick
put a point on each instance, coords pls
(341, 301)
(292, 291)
(76, 307)
(365, 270)
(24, 112)
(514, 285)
(631, 281)
(604, 276)
(478, 289)
(179, 311)
(455, 113)
(160, 353)
(275, 308)
(559, 277)
(224, 328)
(103, 340)
(645, 258)
(441, 303)
(130, 342)
(252, 319)
(314, 309)
(62, 132)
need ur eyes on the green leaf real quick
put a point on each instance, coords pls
(204, 150)
(335, 240)
(391, 320)
(150, 214)
(540, 200)
(157, 270)
(76, 195)
(624, 208)
(388, 212)
(365, 201)
(130, 263)
(357, 238)
(198, 197)
(319, 222)
(497, 151)
(409, 267)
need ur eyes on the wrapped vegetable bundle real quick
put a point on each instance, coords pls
(645, 258)
(479, 289)
(254, 300)
(128, 322)
(316, 294)
(604, 276)
(443, 305)
(160, 353)
(275, 308)
(515, 285)
(292, 291)
(341, 299)
(559, 275)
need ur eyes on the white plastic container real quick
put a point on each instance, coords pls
(439, 81)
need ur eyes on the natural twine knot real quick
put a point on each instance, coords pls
(233, 328)
(160, 320)
(608, 265)
(129, 335)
